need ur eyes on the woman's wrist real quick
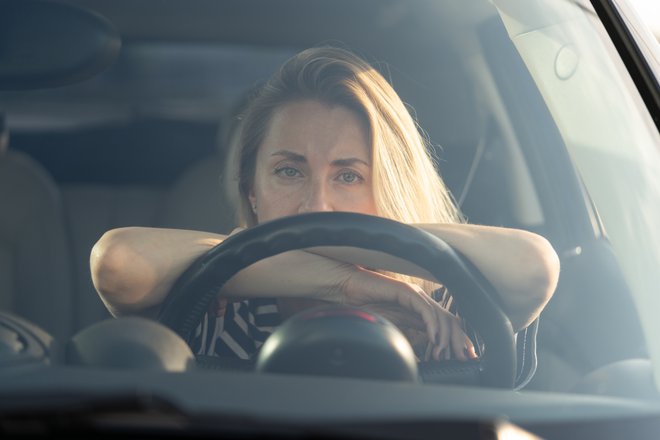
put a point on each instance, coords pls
(293, 274)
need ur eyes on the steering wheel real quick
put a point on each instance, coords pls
(193, 292)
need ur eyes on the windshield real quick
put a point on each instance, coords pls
(606, 128)
(525, 110)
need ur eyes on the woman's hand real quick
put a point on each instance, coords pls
(522, 266)
(460, 346)
(408, 306)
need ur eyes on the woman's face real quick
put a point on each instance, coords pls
(315, 157)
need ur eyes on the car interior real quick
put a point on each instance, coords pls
(146, 142)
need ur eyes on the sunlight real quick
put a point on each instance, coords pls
(649, 10)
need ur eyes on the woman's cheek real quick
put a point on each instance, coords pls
(358, 200)
(278, 202)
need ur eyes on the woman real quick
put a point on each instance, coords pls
(328, 133)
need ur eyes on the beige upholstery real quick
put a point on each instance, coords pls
(91, 210)
(35, 272)
(195, 201)
(47, 233)
(198, 200)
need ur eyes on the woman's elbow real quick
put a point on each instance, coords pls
(117, 278)
(537, 282)
(540, 280)
(546, 273)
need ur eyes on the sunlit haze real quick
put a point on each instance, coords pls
(649, 10)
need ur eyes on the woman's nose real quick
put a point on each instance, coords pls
(317, 199)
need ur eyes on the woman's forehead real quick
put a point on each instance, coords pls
(312, 128)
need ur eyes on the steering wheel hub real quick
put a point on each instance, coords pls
(339, 341)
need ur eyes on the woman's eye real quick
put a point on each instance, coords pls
(349, 177)
(287, 172)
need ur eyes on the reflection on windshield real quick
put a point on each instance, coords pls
(607, 130)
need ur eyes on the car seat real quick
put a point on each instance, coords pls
(198, 201)
(35, 271)
(194, 201)
(90, 211)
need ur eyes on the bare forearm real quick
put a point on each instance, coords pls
(522, 266)
(134, 268)
(295, 274)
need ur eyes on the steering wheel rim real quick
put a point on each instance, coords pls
(191, 295)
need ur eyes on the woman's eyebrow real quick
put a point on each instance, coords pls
(348, 162)
(290, 155)
(342, 162)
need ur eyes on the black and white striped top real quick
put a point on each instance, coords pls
(239, 329)
(236, 329)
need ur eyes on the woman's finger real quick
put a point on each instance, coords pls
(402, 318)
(470, 350)
(458, 341)
(416, 309)
(365, 287)
(442, 350)
(414, 298)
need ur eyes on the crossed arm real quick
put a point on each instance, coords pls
(133, 269)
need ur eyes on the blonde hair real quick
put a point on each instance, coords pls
(406, 184)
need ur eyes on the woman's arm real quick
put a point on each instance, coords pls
(133, 269)
(522, 266)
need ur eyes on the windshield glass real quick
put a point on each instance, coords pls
(606, 128)
(508, 130)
